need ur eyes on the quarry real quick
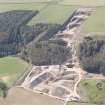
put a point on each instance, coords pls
(60, 81)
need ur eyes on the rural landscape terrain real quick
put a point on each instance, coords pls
(52, 52)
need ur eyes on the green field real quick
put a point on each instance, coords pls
(84, 2)
(11, 68)
(23, 1)
(22, 6)
(77, 103)
(96, 22)
(41, 0)
(48, 13)
(94, 94)
(53, 14)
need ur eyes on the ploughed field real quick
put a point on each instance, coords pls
(21, 96)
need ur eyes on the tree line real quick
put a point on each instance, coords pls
(46, 53)
(91, 55)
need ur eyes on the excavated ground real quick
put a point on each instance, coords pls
(56, 80)
(60, 81)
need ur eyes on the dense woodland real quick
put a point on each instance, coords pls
(15, 18)
(47, 53)
(92, 55)
(10, 24)
(15, 33)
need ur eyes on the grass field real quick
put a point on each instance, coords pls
(77, 103)
(25, 6)
(96, 22)
(11, 68)
(22, 1)
(53, 14)
(94, 93)
(84, 2)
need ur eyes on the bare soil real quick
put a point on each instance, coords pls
(20, 96)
